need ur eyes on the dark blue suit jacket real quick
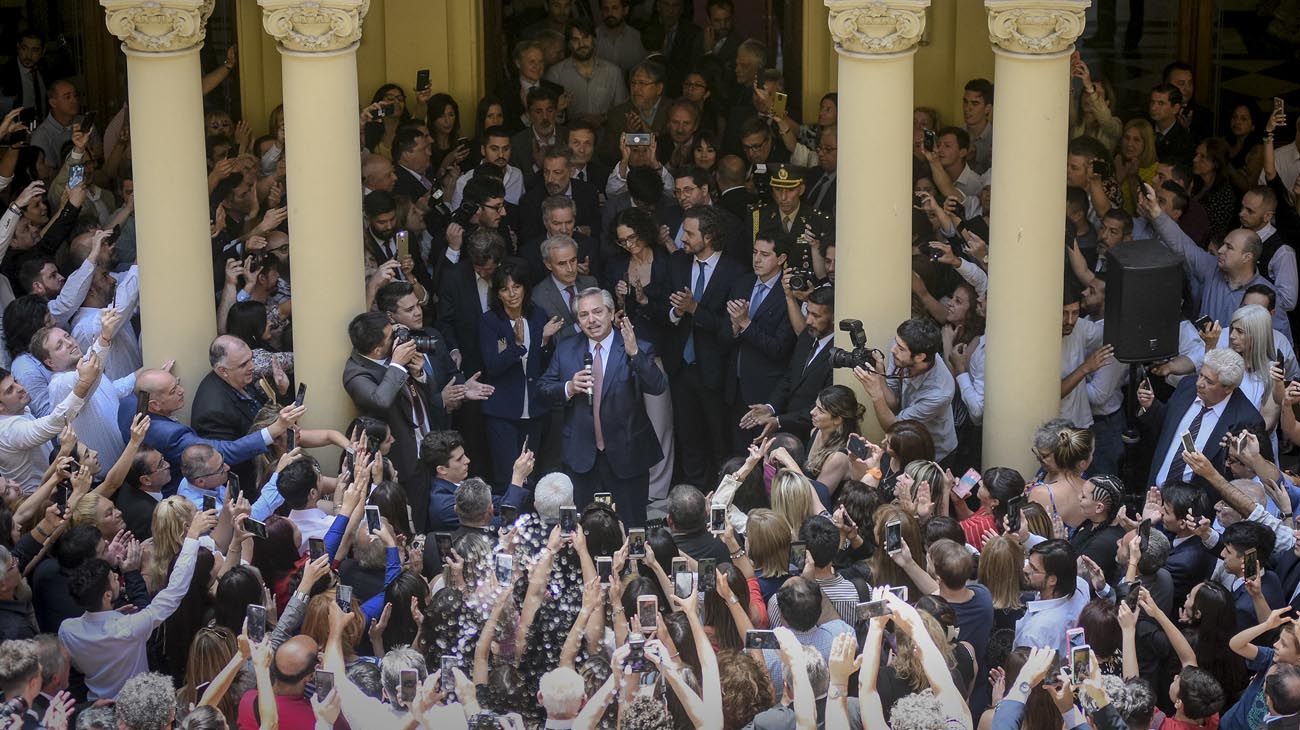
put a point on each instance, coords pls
(1270, 587)
(501, 367)
(442, 503)
(762, 353)
(710, 323)
(1238, 414)
(631, 445)
(1189, 563)
(171, 438)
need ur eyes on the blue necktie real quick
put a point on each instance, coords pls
(688, 354)
(756, 300)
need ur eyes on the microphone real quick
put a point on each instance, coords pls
(586, 363)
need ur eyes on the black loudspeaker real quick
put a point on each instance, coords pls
(1144, 294)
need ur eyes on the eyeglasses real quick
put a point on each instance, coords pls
(224, 468)
(754, 147)
(163, 464)
(627, 240)
(694, 85)
(499, 207)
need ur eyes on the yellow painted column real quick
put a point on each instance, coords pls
(876, 44)
(818, 59)
(1032, 42)
(318, 44)
(174, 249)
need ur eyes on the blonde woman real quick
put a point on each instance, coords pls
(1065, 453)
(767, 542)
(919, 489)
(794, 498)
(171, 520)
(1135, 160)
(1001, 566)
(884, 571)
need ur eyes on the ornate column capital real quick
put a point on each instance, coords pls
(876, 27)
(1036, 27)
(157, 26)
(314, 25)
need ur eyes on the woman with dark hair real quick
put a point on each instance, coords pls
(705, 155)
(380, 132)
(409, 595)
(1212, 186)
(189, 617)
(996, 487)
(638, 275)
(443, 120)
(249, 322)
(1245, 147)
(377, 436)
(697, 87)
(277, 557)
(1208, 619)
(239, 588)
(835, 415)
(719, 622)
(516, 341)
(489, 113)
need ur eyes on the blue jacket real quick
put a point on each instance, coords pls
(631, 445)
(171, 438)
(502, 369)
(442, 504)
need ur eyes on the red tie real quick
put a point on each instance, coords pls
(597, 375)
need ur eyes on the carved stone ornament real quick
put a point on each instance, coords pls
(876, 26)
(158, 25)
(314, 25)
(1035, 26)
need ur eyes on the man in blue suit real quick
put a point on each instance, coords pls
(609, 443)
(171, 437)
(1206, 408)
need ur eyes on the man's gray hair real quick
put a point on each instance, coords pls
(553, 491)
(49, 651)
(918, 711)
(473, 499)
(146, 702)
(1132, 699)
(557, 202)
(553, 242)
(19, 662)
(1156, 555)
(1227, 364)
(396, 660)
(221, 347)
(97, 718)
(562, 691)
(594, 291)
(818, 674)
(194, 460)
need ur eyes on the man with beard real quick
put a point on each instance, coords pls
(556, 178)
(594, 84)
(616, 41)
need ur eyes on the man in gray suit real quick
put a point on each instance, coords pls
(556, 292)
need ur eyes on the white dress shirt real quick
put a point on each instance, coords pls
(710, 266)
(109, 647)
(311, 522)
(96, 425)
(25, 442)
(1208, 422)
(514, 182)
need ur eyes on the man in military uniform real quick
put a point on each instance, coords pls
(785, 211)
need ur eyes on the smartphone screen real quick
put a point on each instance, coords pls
(647, 612)
(209, 502)
(315, 547)
(422, 79)
(683, 584)
(1251, 564)
(76, 175)
(1080, 662)
(636, 542)
(568, 519)
(1188, 443)
(899, 591)
(141, 403)
(760, 639)
(324, 684)
(302, 394)
(410, 678)
(256, 622)
(797, 552)
(706, 577)
(604, 569)
(967, 483)
(290, 439)
(372, 518)
(343, 595)
(1014, 506)
(505, 567)
(508, 514)
(717, 520)
(872, 609)
(447, 679)
(858, 448)
(443, 540)
(1144, 536)
(893, 536)
(255, 528)
(604, 498)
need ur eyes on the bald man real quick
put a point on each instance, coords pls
(171, 437)
(291, 668)
(377, 173)
(225, 404)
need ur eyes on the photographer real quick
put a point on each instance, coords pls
(914, 384)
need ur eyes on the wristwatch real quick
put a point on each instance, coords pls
(836, 692)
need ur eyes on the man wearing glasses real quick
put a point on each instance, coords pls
(142, 491)
(208, 475)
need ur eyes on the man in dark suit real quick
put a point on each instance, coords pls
(560, 217)
(224, 406)
(609, 443)
(1173, 141)
(397, 299)
(447, 466)
(760, 330)
(526, 145)
(463, 296)
(171, 437)
(1206, 408)
(22, 83)
(692, 188)
(530, 62)
(142, 491)
(674, 35)
(556, 178)
(733, 196)
(699, 343)
(821, 187)
(646, 110)
(582, 143)
(556, 293)
(411, 161)
(719, 40)
(386, 380)
(808, 372)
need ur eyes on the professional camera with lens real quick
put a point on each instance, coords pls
(424, 344)
(802, 280)
(462, 215)
(762, 181)
(860, 355)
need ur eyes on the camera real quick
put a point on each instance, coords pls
(860, 355)
(385, 110)
(636, 139)
(802, 280)
(762, 181)
(424, 344)
(462, 215)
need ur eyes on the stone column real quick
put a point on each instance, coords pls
(177, 310)
(1032, 41)
(318, 46)
(876, 42)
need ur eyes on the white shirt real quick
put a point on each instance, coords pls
(1208, 422)
(109, 647)
(1287, 161)
(1075, 348)
(96, 425)
(710, 265)
(514, 182)
(971, 382)
(123, 358)
(311, 522)
(25, 441)
(481, 285)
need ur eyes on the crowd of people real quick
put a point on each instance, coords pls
(600, 475)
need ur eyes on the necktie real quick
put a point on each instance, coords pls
(787, 222)
(819, 191)
(597, 376)
(1178, 466)
(582, 175)
(756, 300)
(688, 353)
(571, 292)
